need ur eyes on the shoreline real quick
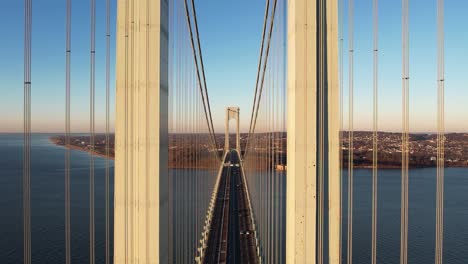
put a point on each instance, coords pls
(74, 147)
(367, 166)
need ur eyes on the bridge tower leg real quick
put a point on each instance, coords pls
(141, 130)
(226, 132)
(313, 132)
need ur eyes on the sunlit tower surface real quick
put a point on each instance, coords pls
(141, 209)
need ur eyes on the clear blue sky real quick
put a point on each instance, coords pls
(423, 65)
(230, 32)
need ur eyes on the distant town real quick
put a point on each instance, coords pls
(182, 150)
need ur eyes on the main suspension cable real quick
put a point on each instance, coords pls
(260, 60)
(265, 64)
(203, 89)
(195, 21)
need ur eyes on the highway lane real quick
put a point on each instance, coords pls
(232, 237)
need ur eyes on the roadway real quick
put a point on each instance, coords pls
(232, 238)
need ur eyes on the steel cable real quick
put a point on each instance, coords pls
(92, 133)
(264, 65)
(260, 60)
(341, 135)
(375, 134)
(405, 134)
(350, 132)
(202, 66)
(439, 241)
(107, 172)
(203, 89)
(67, 134)
(27, 133)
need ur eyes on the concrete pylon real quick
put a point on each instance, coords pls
(232, 112)
(141, 133)
(313, 131)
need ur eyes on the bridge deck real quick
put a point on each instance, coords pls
(231, 238)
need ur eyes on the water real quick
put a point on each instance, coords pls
(422, 202)
(47, 174)
(48, 208)
(47, 195)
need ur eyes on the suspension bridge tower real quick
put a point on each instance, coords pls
(313, 176)
(141, 133)
(232, 113)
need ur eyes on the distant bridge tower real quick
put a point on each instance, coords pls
(232, 112)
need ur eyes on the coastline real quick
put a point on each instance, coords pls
(58, 142)
(74, 147)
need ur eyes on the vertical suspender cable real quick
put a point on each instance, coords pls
(439, 253)
(283, 134)
(188, 122)
(171, 131)
(186, 161)
(263, 151)
(269, 167)
(67, 135)
(277, 138)
(190, 94)
(175, 126)
(274, 135)
(179, 130)
(107, 175)
(351, 132)
(277, 107)
(341, 27)
(405, 135)
(185, 152)
(179, 106)
(92, 132)
(375, 133)
(265, 20)
(27, 134)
